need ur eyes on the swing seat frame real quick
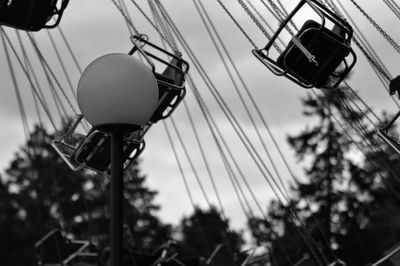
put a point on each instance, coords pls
(93, 150)
(171, 82)
(32, 15)
(55, 250)
(328, 50)
(385, 135)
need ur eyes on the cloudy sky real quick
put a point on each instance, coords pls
(95, 28)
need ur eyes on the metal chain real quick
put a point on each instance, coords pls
(280, 15)
(276, 8)
(254, 19)
(259, 25)
(363, 103)
(175, 49)
(389, 39)
(127, 19)
(160, 23)
(237, 23)
(374, 60)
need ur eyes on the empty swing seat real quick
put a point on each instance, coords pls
(327, 47)
(171, 82)
(93, 151)
(31, 15)
(316, 56)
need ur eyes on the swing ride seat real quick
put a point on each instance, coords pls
(170, 82)
(32, 15)
(328, 48)
(93, 150)
(54, 249)
(316, 56)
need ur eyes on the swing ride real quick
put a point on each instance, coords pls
(314, 54)
(318, 54)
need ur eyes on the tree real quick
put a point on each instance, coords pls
(344, 199)
(44, 194)
(204, 231)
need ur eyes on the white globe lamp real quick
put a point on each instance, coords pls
(117, 89)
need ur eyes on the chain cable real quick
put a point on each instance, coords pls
(389, 39)
(263, 20)
(171, 45)
(258, 23)
(367, 50)
(237, 24)
(125, 16)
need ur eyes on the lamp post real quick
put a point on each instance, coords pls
(117, 93)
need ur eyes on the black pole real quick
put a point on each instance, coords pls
(116, 196)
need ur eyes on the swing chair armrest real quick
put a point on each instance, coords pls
(277, 70)
(66, 158)
(268, 62)
(170, 85)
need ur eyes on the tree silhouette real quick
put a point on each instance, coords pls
(204, 231)
(346, 196)
(39, 193)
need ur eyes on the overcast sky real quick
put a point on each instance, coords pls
(95, 28)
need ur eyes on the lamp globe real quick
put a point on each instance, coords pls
(117, 89)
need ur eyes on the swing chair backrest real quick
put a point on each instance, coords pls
(31, 15)
(328, 49)
(314, 54)
(92, 151)
(171, 81)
